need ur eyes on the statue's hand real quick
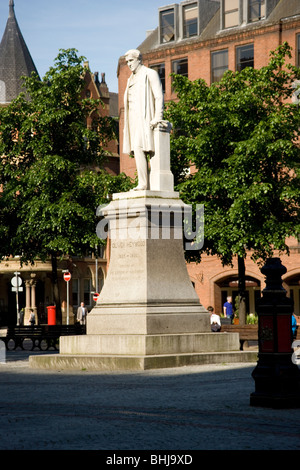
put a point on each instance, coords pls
(154, 123)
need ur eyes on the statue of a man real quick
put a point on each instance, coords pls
(144, 105)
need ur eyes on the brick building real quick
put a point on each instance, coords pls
(97, 89)
(202, 39)
(87, 273)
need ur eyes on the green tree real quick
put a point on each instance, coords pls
(242, 136)
(50, 189)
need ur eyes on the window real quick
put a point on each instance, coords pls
(296, 84)
(100, 251)
(160, 69)
(190, 20)
(180, 67)
(87, 292)
(167, 25)
(100, 280)
(75, 292)
(219, 65)
(257, 10)
(244, 57)
(231, 13)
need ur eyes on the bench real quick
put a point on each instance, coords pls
(42, 337)
(246, 332)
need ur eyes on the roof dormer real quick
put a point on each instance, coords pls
(189, 19)
(236, 13)
(185, 20)
(168, 23)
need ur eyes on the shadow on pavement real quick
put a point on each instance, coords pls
(188, 409)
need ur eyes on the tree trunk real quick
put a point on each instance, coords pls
(56, 295)
(242, 290)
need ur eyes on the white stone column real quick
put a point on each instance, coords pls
(27, 301)
(33, 296)
(28, 296)
(30, 299)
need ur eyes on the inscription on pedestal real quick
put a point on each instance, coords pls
(127, 260)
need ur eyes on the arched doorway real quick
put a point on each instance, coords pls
(293, 284)
(81, 288)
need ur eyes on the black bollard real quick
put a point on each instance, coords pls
(276, 376)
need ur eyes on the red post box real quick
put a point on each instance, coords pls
(51, 315)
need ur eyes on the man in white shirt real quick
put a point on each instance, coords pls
(215, 320)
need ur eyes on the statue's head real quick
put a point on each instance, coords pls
(133, 58)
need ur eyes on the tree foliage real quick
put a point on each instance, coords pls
(242, 136)
(50, 189)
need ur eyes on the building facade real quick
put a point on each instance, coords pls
(88, 273)
(203, 39)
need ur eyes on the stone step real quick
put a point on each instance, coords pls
(129, 362)
(147, 345)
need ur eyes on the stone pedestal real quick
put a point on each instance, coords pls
(147, 290)
(148, 313)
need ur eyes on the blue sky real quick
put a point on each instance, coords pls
(101, 30)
